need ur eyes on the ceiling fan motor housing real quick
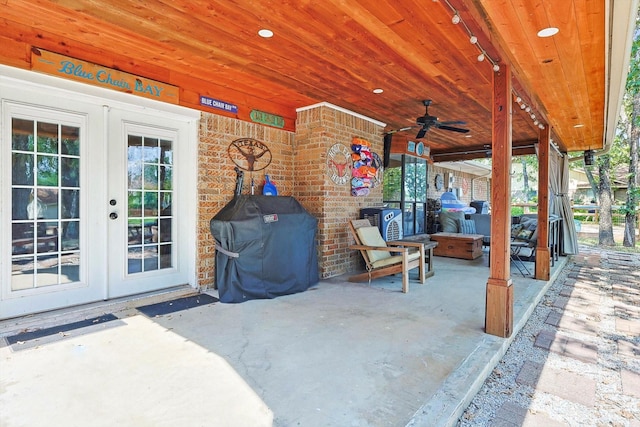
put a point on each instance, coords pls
(426, 120)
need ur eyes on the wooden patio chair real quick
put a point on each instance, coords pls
(385, 258)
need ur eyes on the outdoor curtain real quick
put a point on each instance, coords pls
(559, 203)
(569, 235)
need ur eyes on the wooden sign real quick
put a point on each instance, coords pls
(219, 104)
(97, 75)
(267, 118)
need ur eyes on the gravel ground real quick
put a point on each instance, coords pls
(506, 400)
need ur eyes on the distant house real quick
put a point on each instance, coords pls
(580, 190)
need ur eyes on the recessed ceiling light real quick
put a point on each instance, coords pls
(378, 90)
(548, 32)
(579, 125)
(467, 136)
(265, 33)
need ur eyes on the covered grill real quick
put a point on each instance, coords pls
(265, 248)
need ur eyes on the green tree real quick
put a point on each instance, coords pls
(529, 175)
(605, 225)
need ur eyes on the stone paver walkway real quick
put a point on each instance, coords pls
(577, 361)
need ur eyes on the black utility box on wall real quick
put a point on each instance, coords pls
(265, 248)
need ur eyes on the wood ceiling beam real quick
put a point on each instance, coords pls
(519, 148)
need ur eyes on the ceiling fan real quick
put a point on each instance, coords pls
(427, 122)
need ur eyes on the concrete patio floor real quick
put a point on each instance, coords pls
(339, 354)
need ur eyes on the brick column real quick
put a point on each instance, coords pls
(318, 128)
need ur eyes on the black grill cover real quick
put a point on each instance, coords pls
(274, 238)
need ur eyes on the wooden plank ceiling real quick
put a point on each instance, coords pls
(338, 51)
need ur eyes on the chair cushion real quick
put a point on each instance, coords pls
(395, 259)
(515, 229)
(448, 221)
(467, 226)
(370, 236)
(532, 225)
(524, 235)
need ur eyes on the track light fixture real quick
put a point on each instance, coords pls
(523, 106)
(456, 19)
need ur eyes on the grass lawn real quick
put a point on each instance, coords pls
(588, 236)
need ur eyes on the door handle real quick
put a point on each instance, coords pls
(113, 215)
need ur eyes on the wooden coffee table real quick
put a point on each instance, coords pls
(458, 245)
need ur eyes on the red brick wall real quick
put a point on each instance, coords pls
(477, 188)
(217, 177)
(299, 169)
(317, 129)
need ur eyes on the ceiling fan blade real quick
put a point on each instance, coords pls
(454, 129)
(399, 130)
(421, 133)
(454, 122)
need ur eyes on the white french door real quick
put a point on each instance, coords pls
(98, 201)
(145, 249)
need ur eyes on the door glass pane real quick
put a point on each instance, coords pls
(70, 204)
(150, 203)
(166, 177)
(22, 238)
(150, 184)
(70, 141)
(150, 177)
(47, 170)
(45, 204)
(70, 172)
(135, 204)
(47, 271)
(22, 135)
(134, 257)
(70, 268)
(47, 138)
(22, 273)
(22, 168)
(151, 150)
(70, 235)
(166, 152)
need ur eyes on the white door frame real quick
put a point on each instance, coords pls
(70, 95)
